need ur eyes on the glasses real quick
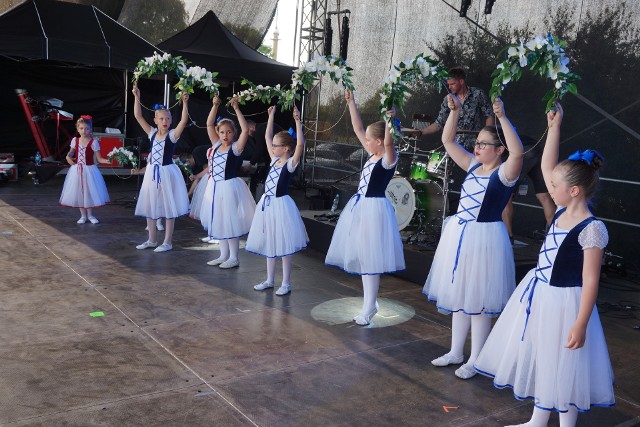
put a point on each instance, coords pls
(483, 144)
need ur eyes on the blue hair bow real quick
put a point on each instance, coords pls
(292, 133)
(586, 156)
(160, 107)
(218, 119)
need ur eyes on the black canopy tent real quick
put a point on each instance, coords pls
(68, 51)
(210, 44)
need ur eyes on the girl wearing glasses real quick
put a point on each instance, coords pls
(277, 230)
(473, 272)
(227, 205)
(366, 240)
(549, 344)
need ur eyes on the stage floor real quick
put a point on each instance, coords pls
(183, 343)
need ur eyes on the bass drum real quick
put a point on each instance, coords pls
(412, 199)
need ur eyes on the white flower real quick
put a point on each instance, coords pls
(559, 83)
(520, 52)
(537, 43)
(558, 67)
(394, 75)
(500, 66)
(506, 79)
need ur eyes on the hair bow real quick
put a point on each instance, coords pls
(586, 156)
(160, 107)
(86, 117)
(218, 119)
(292, 133)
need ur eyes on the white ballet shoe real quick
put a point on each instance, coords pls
(447, 359)
(93, 220)
(163, 248)
(146, 245)
(262, 286)
(465, 372)
(283, 290)
(216, 261)
(365, 319)
(82, 220)
(230, 263)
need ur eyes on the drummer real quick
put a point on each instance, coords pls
(476, 110)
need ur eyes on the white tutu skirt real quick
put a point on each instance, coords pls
(366, 239)
(164, 199)
(539, 366)
(196, 198)
(485, 274)
(84, 187)
(232, 207)
(277, 229)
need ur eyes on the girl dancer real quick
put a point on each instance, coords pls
(277, 230)
(549, 344)
(473, 273)
(227, 206)
(84, 186)
(163, 193)
(366, 240)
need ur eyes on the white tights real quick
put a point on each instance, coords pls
(540, 418)
(370, 285)
(286, 270)
(229, 249)
(480, 325)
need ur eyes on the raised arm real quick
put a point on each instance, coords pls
(356, 120)
(137, 111)
(242, 139)
(268, 133)
(184, 118)
(299, 137)
(459, 155)
(552, 147)
(211, 120)
(513, 165)
(390, 154)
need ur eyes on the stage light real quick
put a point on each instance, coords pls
(328, 37)
(344, 38)
(488, 6)
(464, 6)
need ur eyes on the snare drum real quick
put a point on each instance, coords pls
(409, 199)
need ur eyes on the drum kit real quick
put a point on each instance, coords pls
(419, 190)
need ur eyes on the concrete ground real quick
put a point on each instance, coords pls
(182, 343)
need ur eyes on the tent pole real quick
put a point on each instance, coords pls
(166, 90)
(126, 102)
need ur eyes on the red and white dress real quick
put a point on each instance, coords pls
(84, 186)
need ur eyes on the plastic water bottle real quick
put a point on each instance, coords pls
(38, 158)
(334, 206)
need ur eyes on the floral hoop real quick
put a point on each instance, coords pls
(305, 76)
(544, 56)
(122, 156)
(264, 94)
(157, 63)
(423, 69)
(197, 77)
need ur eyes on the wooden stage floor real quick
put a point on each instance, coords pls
(182, 343)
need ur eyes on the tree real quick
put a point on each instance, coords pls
(157, 23)
(266, 51)
(249, 35)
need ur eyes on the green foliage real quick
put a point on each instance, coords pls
(249, 35)
(266, 51)
(156, 22)
(285, 98)
(421, 70)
